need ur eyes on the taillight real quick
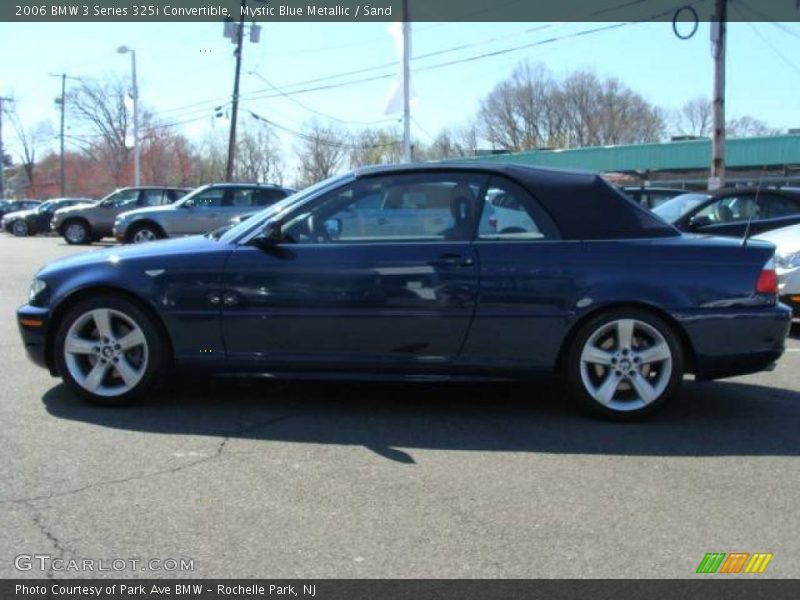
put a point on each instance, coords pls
(767, 282)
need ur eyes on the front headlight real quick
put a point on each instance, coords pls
(37, 287)
(787, 261)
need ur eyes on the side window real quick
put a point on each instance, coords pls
(403, 207)
(126, 199)
(242, 198)
(209, 198)
(511, 213)
(171, 196)
(772, 205)
(152, 197)
(730, 209)
(269, 196)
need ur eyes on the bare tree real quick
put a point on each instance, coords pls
(101, 108)
(453, 143)
(375, 147)
(30, 140)
(533, 109)
(747, 126)
(695, 118)
(320, 152)
(258, 156)
(209, 159)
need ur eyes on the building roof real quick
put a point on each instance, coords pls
(668, 156)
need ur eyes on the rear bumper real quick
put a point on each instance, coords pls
(737, 341)
(32, 322)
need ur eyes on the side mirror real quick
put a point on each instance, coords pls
(107, 203)
(188, 204)
(333, 227)
(271, 235)
(698, 221)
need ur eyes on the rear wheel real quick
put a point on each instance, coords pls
(145, 233)
(109, 350)
(625, 364)
(20, 228)
(77, 232)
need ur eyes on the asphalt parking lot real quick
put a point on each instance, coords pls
(297, 479)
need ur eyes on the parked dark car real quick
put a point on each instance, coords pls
(9, 206)
(37, 220)
(727, 212)
(651, 196)
(592, 286)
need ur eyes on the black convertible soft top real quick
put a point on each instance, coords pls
(583, 205)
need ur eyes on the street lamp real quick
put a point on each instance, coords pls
(135, 92)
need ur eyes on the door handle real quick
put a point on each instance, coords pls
(452, 260)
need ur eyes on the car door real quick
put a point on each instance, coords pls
(103, 214)
(526, 276)
(201, 212)
(340, 289)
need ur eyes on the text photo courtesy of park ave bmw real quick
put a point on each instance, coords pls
(336, 299)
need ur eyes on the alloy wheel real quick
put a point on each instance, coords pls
(75, 233)
(144, 235)
(626, 365)
(19, 228)
(106, 352)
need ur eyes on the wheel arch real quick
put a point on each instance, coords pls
(94, 291)
(680, 332)
(137, 224)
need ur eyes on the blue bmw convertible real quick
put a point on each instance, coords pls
(445, 270)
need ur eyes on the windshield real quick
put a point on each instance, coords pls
(674, 209)
(231, 232)
(45, 206)
(184, 199)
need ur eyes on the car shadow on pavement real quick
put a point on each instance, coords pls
(392, 419)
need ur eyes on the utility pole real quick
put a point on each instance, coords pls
(2, 151)
(718, 40)
(407, 156)
(63, 102)
(137, 148)
(235, 108)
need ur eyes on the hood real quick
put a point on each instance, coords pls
(18, 214)
(74, 208)
(147, 210)
(157, 252)
(787, 239)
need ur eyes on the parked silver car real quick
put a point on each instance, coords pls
(86, 223)
(205, 209)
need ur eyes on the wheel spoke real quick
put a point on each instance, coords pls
(131, 339)
(596, 356)
(625, 333)
(102, 320)
(76, 345)
(129, 375)
(645, 391)
(95, 377)
(655, 353)
(605, 393)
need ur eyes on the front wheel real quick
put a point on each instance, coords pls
(625, 364)
(20, 228)
(77, 232)
(109, 350)
(144, 233)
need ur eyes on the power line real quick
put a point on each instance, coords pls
(312, 110)
(319, 140)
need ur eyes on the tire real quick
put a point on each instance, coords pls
(629, 380)
(91, 356)
(145, 232)
(76, 232)
(20, 228)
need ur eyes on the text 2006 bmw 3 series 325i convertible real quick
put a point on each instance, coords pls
(446, 270)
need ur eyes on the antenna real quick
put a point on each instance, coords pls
(755, 207)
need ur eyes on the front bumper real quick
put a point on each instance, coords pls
(33, 322)
(736, 341)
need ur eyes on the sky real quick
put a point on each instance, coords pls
(186, 69)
